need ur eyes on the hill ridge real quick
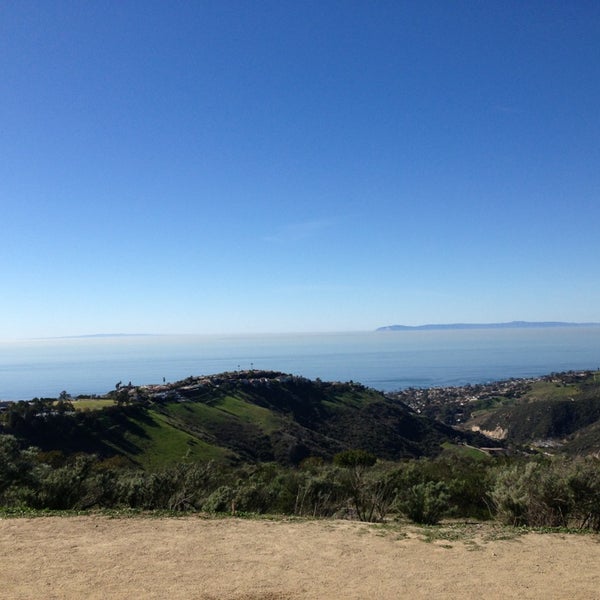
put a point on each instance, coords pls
(234, 417)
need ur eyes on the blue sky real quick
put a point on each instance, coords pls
(240, 167)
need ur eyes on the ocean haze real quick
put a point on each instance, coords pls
(384, 360)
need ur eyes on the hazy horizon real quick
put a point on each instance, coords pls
(258, 334)
(385, 360)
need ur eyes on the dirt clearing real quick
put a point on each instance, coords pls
(95, 557)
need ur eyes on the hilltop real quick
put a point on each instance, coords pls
(245, 416)
(266, 416)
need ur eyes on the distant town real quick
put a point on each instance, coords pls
(453, 404)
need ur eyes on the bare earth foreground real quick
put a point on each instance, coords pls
(193, 557)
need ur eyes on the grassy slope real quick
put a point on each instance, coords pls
(274, 421)
(548, 391)
(539, 391)
(174, 431)
(155, 441)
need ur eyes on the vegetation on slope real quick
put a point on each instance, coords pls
(552, 413)
(560, 412)
(271, 443)
(233, 418)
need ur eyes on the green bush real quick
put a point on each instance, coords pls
(424, 503)
(369, 491)
(354, 459)
(220, 500)
(321, 493)
(534, 494)
(467, 481)
(585, 486)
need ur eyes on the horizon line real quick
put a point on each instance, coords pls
(457, 325)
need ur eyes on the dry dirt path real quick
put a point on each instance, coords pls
(96, 557)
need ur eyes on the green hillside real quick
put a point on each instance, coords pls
(232, 418)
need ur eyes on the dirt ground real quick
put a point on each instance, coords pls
(96, 557)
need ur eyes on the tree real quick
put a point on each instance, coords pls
(122, 396)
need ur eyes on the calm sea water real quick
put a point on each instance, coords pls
(383, 360)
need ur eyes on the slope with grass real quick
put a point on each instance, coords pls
(237, 417)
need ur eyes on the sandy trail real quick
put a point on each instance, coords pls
(97, 557)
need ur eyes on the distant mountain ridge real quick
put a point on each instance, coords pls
(509, 325)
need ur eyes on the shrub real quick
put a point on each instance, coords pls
(585, 486)
(536, 494)
(424, 503)
(321, 493)
(221, 500)
(510, 496)
(368, 491)
(354, 459)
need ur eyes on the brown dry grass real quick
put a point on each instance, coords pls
(96, 557)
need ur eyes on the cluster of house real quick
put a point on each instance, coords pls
(456, 401)
(179, 390)
(460, 396)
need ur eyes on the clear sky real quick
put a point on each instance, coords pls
(264, 166)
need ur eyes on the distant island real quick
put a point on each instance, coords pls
(99, 335)
(509, 325)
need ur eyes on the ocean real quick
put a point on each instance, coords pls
(386, 360)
